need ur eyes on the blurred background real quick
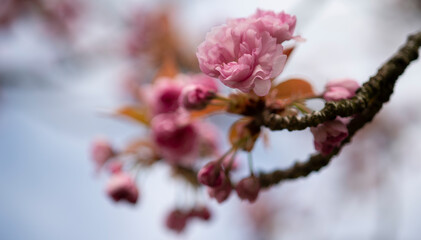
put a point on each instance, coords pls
(65, 64)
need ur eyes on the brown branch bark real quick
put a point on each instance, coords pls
(364, 106)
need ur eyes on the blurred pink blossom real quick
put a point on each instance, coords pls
(164, 95)
(122, 187)
(176, 138)
(101, 152)
(176, 220)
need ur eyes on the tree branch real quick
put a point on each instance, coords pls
(367, 102)
(385, 77)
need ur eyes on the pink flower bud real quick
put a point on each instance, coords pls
(122, 187)
(196, 97)
(176, 220)
(200, 212)
(329, 135)
(211, 175)
(340, 89)
(176, 138)
(101, 152)
(248, 189)
(220, 193)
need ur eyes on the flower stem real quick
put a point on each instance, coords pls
(250, 160)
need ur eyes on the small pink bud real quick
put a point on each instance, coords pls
(211, 174)
(220, 193)
(336, 94)
(176, 220)
(122, 187)
(340, 89)
(101, 152)
(329, 135)
(196, 97)
(200, 212)
(248, 189)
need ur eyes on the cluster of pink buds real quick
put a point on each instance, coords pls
(175, 137)
(177, 219)
(215, 175)
(217, 180)
(121, 186)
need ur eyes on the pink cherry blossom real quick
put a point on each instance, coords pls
(220, 193)
(340, 89)
(211, 174)
(243, 55)
(248, 189)
(329, 135)
(280, 25)
(176, 138)
(101, 152)
(122, 187)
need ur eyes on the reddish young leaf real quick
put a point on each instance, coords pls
(137, 114)
(210, 109)
(294, 88)
(288, 50)
(241, 136)
(133, 146)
